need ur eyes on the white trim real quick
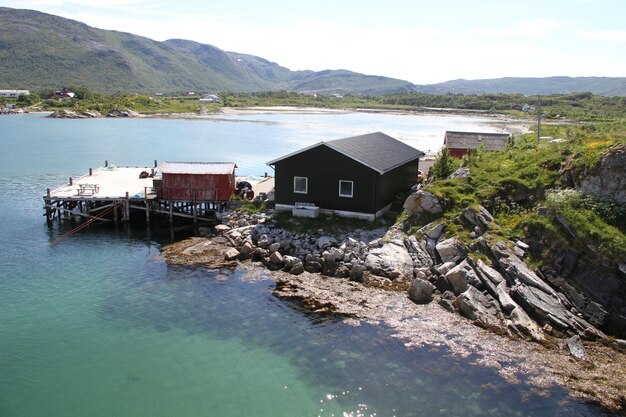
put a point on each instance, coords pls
(341, 213)
(306, 185)
(351, 189)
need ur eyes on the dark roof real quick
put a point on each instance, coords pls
(467, 140)
(377, 151)
(197, 168)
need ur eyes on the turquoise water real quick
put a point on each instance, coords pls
(98, 325)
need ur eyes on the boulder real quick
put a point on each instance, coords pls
(276, 258)
(576, 348)
(293, 265)
(356, 273)
(231, 254)
(274, 247)
(246, 250)
(462, 276)
(525, 324)
(423, 202)
(480, 218)
(450, 249)
(418, 252)
(607, 180)
(462, 172)
(519, 272)
(392, 260)
(326, 242)
(421, 291)
(477, 306)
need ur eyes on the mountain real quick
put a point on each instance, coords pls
(39, 50)
(604, 86)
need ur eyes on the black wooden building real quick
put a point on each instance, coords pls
(353, 177)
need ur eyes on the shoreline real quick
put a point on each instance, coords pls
(600, 379)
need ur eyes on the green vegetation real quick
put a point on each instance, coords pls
(579, 106)
(523, 188)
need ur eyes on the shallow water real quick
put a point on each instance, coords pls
(98, 325)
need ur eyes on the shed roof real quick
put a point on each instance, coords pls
(467, 140)
(377, 151)
(197, 168)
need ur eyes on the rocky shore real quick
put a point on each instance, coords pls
(485, 281)
(91, 114)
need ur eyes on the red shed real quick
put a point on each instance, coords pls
(197, 181)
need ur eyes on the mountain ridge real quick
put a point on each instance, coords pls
(43, 51)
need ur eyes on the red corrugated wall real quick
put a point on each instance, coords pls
(198, 187)
(457, 153)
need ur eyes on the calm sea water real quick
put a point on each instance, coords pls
(98, 325)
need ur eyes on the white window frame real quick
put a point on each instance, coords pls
(306, 185)
(351, 195)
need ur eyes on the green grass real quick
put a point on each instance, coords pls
(512, 183)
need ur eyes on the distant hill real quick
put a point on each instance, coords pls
(39, 50)
(604, 86)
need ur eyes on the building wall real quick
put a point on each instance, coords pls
(396, 181)
(456, 152)
(324, 168)
(195, 187)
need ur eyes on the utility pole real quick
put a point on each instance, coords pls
(538, 119)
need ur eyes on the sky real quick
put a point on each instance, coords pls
(423, 42)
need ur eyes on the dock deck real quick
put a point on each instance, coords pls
(108, 183)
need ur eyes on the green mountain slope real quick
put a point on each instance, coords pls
(604, 86)
(39, 50)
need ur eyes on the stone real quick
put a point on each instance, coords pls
(221, 228)
(461, 276)
(522, 245)
(477, 306)
(204, 231)
(276, 258)
(231, 254)
(445, 267)
(264, 241)
(519, 272)
(462, 172)
(480, 218)
(525, 324)
(246, 250)
(356, 273)
(421, 202)
(436, 231)
(450, 249)
(519, 252)
(274, 247)
(607, 180)
(330, 269)
(293, 265)
(392, 260)
(332, 255)
(421, 291)
(576, 348)
(325, 242)
(419, 253)
(442, 284)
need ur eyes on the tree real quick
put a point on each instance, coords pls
(443, 165)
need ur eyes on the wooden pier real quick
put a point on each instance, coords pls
(119, 194)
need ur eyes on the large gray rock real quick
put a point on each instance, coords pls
(462, 276)
(326, 242)
(293, 265)
(519, 272)
(392, 260)
(607, 181)
(418, 252)
(421, 291)
(525, 324)
(477, 306)
(421, 202)
(231, 254)
(450, 249)
(480, 218)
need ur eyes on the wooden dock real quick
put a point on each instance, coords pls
(114, 194)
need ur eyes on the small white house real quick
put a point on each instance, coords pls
(209, 98)
(13, 93)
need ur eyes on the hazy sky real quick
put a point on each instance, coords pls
(419, 41)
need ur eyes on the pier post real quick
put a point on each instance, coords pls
(71, 181)
(90, 172)
(145, 197)
(194, 209)
(115, 216)
(155, 163)
(127, 208)
(171, 214)
(106, 163)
